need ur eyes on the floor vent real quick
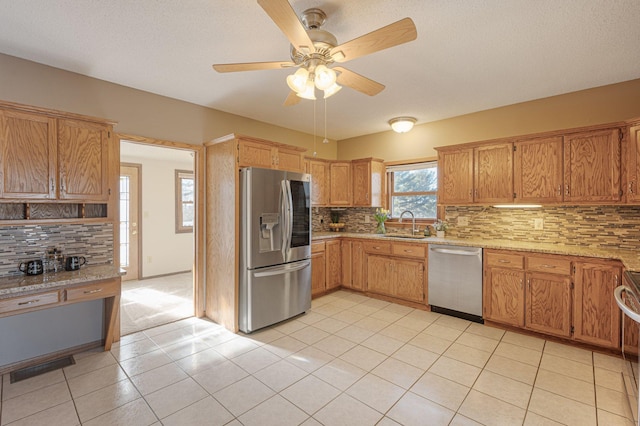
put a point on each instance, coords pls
(36, 370)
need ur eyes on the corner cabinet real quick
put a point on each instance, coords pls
(592, 166)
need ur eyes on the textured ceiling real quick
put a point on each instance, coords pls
(470, 55)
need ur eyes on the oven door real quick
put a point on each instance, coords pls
(629, 304)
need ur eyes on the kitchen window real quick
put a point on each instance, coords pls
(413, 187)
(185, 201)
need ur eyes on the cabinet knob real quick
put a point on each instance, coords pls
(504, 261)
(631, 187)
(566, 190)
(560, 189)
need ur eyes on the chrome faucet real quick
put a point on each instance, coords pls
(413, 220)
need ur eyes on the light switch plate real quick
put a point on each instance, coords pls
(538, 223)
(463, 221)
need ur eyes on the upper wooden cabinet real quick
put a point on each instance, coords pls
(319, 171)
(340, 183)
(537, 170)
(633, 165)
(28, 160)
(592, 166)
(493, 173)
(368, 182)
(455, 176)
(253, 152)
(48, 158)
(83, 152)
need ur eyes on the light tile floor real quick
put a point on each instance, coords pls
(350, 360)
(155, 301)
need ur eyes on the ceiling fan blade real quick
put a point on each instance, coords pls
(252, 66)
(394, 34)
(292, 99)
(358, 82)
(281, 12)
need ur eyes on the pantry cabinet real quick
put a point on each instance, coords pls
(537, 174)
(596, 314)
(46, 158)
(592, 170)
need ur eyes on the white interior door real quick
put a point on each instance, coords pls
(130, 220)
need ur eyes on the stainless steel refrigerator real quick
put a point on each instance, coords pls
(275, 246)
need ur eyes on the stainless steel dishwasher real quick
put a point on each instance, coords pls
(455, 281)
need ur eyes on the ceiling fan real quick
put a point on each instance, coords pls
(314, 49)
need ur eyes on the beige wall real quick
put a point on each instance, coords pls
(137, 112)
(593, 106)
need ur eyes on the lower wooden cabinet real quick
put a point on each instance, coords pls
(394, 275)
(555, 295)
(317, 268)
(333, 265)
(596, 314)
(353, 264)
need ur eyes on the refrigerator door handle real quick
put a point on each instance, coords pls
(282, 270)
(285, 218)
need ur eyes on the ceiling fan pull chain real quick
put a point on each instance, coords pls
(314, 129)
(325, 140)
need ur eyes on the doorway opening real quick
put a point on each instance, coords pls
(158, 229)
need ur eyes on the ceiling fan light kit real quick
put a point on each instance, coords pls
(314, 49)
(402, 124)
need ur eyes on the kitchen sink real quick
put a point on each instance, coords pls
(409, 237)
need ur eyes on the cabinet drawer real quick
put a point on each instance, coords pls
(409, 250)
(93, 291)
(317, 247)
(549, 264)
(27, 302)
(504, 260)
(376, 247)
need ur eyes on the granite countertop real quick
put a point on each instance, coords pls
(629, 258)
(27, 284)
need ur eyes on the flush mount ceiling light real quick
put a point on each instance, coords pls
(402, 124)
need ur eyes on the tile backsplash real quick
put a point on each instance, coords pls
(20, 243)
(596, 226)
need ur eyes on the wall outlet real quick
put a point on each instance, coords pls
(538, 223)
(463, 221)
(321, 220)
(367, 218)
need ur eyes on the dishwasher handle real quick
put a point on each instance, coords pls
(617, 293)
(476, 252)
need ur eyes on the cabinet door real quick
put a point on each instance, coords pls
(357, 265)
(333, 264)
(504, 296)
(633, 165)
(255, 154)
(379, 275)
(340, 187)
(361, 177)
(289, 159)
(596, 315)
(548, 304)
(592, 166)
(455, 176)
(346, 255)
(83, 153)
(319, 183)
(408, 280)
(27, 156)
(317, 273)
(493, 173)
(538, 171)
(630, 340)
